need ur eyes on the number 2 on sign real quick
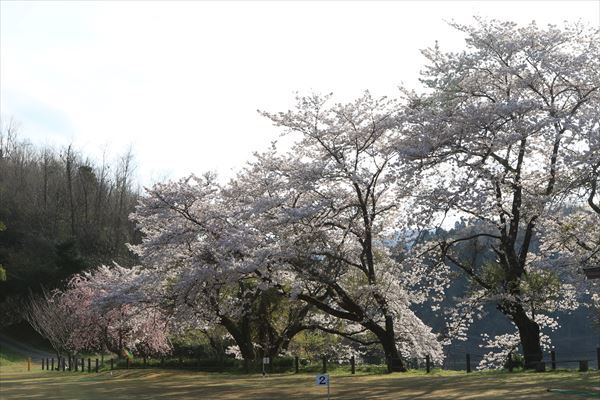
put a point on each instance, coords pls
(322, 379)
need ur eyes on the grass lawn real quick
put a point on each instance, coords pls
(11, 362)
(163, 384)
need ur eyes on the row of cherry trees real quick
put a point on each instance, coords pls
(90, 316)
(328, 234)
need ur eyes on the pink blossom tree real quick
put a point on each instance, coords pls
(110, 314)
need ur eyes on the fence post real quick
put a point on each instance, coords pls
(324, 364)
(352, 365)
(28, 363)
(42, 364)
(428, 363)
(64, 364)
(553, 359)
(127, 362)
(540, 366)
(82, 364)
(468, 363)
(510, 362)
(296, 364)
(111, 364)
(96, 365)
(89, 364)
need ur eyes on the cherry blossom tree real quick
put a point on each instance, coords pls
(329, 207)
(506, 135)
(505, 138)
(108, 313)
(310, 226)
(205, 258)
(570, 242)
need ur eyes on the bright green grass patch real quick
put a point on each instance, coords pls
(7, 356)
(12, 362)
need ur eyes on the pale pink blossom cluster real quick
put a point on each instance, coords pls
(107, 315)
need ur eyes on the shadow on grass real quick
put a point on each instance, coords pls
(157, 384)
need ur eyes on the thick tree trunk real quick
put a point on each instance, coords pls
(121, 349)
(529, 332)
(247, 349)
(392, 356)
(241, 334)
(286, 338)
(388, 342)
(266, 332)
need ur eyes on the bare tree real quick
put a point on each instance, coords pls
(47, 314)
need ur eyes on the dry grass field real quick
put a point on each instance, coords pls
(17, 383)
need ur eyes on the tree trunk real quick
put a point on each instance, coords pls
(388, 342)
(529, 332)
(247, 349)
(241, 335)
(45, 178)
(392, 356)
(69, 176)
(121, 350)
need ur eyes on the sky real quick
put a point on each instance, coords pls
(180, 82)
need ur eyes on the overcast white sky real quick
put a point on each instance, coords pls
(181, 82)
